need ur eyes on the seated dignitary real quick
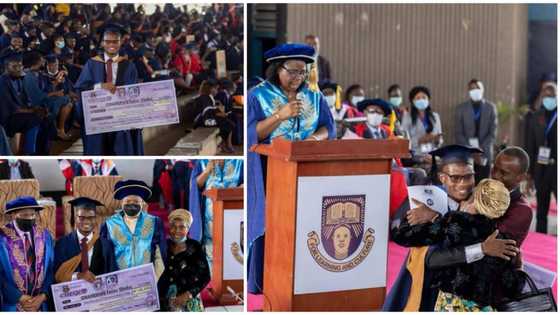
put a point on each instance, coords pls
(136, 236)
(187, 272)
(82, 254)
(26, 258)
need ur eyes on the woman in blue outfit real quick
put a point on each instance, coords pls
(281, 106)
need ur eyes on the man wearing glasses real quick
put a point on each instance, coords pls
(82, 254)
(108, 71)
(412, 290)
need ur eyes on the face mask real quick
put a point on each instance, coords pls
(25, 225)
(356, 99)
(60, 45)
(12, 161)
(549, 103)
(179, 241)
(396, 101)
(331, 100)
(132, 210)
(421, 104)
(475, 95)
(52, 73)
(96, 161)
(374, 119)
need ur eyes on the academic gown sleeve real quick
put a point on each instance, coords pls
(31, 87)
(255, 199)
(326, 119)
(65, 249)
(10, 292)
(85, 82)
(196, 204)
(159, 240)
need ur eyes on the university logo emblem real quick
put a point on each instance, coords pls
(342, 232)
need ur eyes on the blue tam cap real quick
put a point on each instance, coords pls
(302, 52)
(24, 202)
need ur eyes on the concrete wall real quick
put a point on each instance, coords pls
(441, 46)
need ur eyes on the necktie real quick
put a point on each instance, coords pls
(30, 263)
(109, 71)
(85, 263)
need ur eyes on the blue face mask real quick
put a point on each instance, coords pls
(60, 45)
(395, 101)
(549, 103)
(421, 104)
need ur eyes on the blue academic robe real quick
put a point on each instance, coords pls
(197, 201)
(102, 261)
(256, 173)
(125, 142)
(8, 288)
(121, 246)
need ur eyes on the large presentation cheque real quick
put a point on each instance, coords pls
(133, 289)
(132, 106)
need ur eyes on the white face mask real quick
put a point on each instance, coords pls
(356, 99)
(331, 100)
(374, 119)
(475, 95)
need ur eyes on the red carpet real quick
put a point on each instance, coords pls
(153, 208)
(538, 248)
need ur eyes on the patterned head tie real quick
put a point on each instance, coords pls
(491, 198)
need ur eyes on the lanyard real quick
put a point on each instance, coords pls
(476, 114)
(426, 122)
(550, 124)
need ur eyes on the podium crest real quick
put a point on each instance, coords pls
(342, 232)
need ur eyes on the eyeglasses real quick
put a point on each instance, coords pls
(460, 178)
(112, 41)
(295, 73)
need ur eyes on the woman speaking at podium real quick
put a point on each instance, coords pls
(282, 106)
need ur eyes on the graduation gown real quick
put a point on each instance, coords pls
(259, 98)
(102, 259)
(13, 273)
(125, 142)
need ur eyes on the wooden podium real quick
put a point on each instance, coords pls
(227, 242)
(288, 164)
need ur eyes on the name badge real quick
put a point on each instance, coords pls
(473, 142)
(544, 155)
(426, 147)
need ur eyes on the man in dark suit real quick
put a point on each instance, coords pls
(476, 125)
(542, 147)
(82, 254)
(323, 65)
(15, 169)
